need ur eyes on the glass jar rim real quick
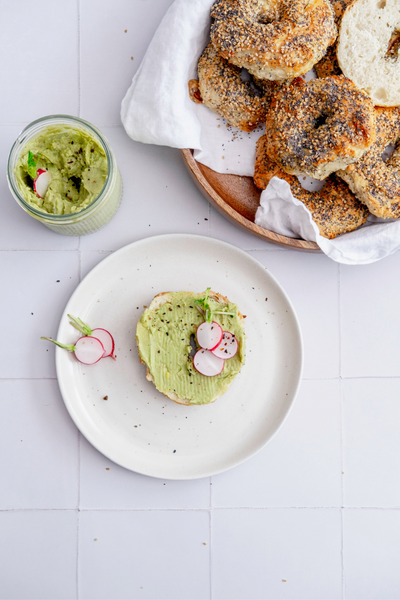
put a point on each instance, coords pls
(70, 121)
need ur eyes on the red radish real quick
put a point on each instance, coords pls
(41, 182)
(209, 335)
(88, 350)
(206, 363)
(101, 334)
(228, 346)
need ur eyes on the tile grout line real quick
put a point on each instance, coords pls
(80, 279)
(210, 541)
(204, 510)
(341, 429)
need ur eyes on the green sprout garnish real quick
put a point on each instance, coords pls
(208, 313)
(32, 164)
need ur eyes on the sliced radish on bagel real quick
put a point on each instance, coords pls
(227, 347)
(206, 363)
(209, 335)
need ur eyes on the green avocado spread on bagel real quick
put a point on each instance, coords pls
(164, 335)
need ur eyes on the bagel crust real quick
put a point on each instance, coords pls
(317, 127)
(273, 39)
(334, 209)
(376, 181)
(223, 91)
(368, 49)
(329, 65)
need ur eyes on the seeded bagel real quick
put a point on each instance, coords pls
(273, 39)
(375, 180)
(175, 377)
(334, 209)
(317, 127)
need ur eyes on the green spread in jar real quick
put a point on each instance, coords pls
(77, 164)
(164, 341)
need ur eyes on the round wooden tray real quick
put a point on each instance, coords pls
(237, 199)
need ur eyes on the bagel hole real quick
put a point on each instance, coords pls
(310, 184)
(193, 345)
(245, 75)
(388, 151)
(394, 45)
(320, 121)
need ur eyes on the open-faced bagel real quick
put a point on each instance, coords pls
(334, 209)
(164, 337)
(368, 48)
(317, 127)
(273, 39)
(374, 180)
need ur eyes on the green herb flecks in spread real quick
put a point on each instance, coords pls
(76, 162)
(164, 342)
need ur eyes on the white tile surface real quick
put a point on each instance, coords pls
(370, 327)
(38, 287)
(371, 554)
(311, 281)
(159, 196)
(41, 446)
(38, 555)
(302, 464)
(106, 50)
(222, 229)
(371, 422)
(276, 553)
(150, 536)
(104, 484)
(144, 554)
(39, 36)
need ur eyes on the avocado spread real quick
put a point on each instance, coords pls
(164, 338)
(76, 162)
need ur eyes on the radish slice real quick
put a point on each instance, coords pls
(42, 182)
(206, 363)
(106, 339)
(209, 335)
(228, 346)
(89, 350)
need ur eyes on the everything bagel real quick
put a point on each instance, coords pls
(376, 181)
(222, 90)
(334, 209)
(317, 127)
(273, 39)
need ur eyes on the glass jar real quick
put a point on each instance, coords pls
(94, 216)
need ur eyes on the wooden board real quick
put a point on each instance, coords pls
(237, 199)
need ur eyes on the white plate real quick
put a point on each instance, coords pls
(139, 428)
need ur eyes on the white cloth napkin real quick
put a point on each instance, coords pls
(157, 110)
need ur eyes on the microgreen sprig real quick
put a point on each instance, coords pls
(207, 311)
(32, 164)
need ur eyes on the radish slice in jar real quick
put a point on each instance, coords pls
(228, 346)
(41, 182)
(209, 335)
(206, 363)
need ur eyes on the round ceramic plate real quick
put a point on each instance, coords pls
(124, 416)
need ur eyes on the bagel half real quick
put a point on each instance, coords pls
(368, 49)
(174, 377)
